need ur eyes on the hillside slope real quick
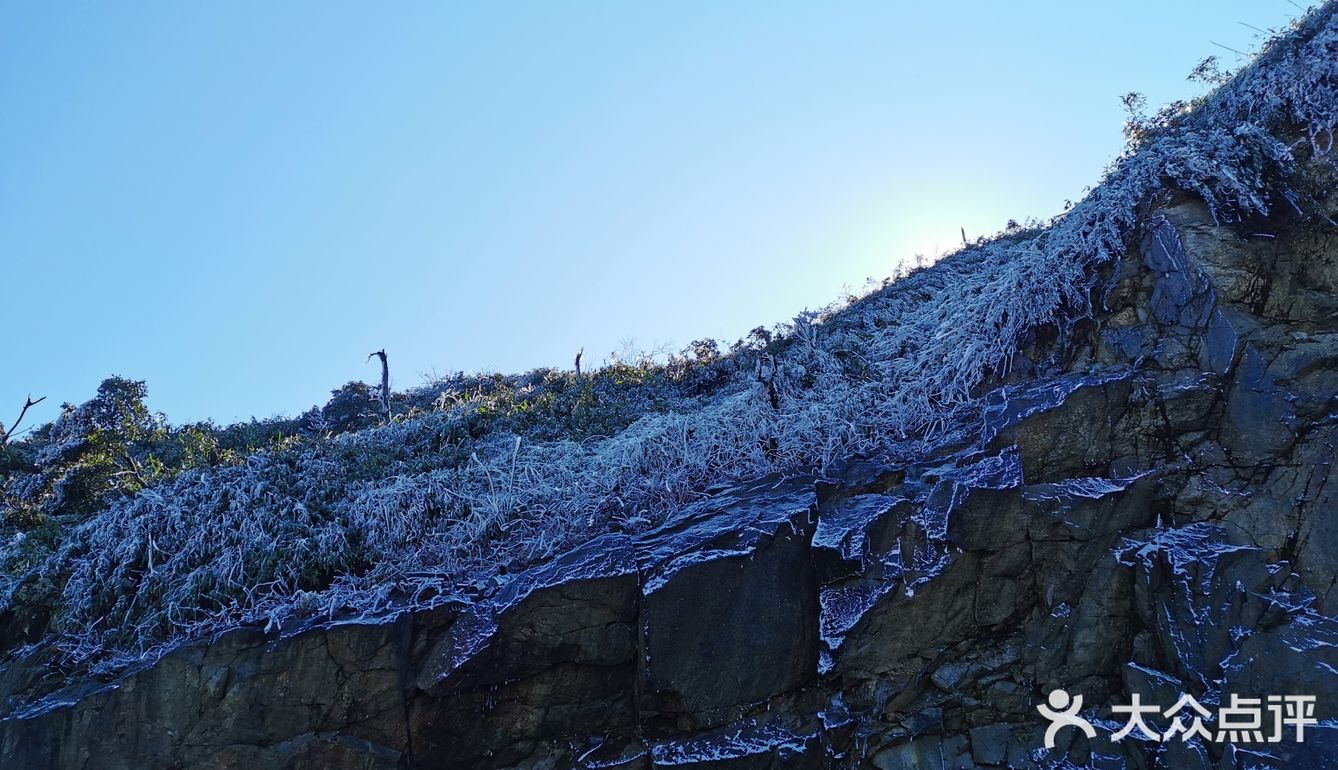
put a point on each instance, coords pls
(1093, 455)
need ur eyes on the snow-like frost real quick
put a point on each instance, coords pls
(287, 535)
(731, 743)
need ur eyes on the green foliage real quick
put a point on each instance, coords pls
(112, 446)
(101, 448)
(352, 407)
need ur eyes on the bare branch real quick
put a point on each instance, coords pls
(1229, 48)
(6, 435)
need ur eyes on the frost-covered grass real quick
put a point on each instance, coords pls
(396, 513)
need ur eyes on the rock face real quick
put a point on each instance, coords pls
(1148, 509)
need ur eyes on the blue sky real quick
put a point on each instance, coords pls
(238, 201)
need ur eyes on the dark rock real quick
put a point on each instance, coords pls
(333, 691)
(852, 534)
(1300, 657)
(729, 605)
(1182, 294)
(1259, 422)
(957, 753)
(1063, 427)
(1197, 591)
(503, 724)
(903, 628)
(924, 722)
(577, 609)
(549, 657)
(989, 743)
(919, 754)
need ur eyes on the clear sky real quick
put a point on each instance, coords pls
(238, 201)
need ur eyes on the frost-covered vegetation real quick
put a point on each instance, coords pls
(126, 534)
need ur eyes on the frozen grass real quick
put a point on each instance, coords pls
(392, 514)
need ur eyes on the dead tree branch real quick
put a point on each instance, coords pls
(385, 381)
(6, 435)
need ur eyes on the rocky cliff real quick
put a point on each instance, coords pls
(1157, 519)
(1145, 506)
